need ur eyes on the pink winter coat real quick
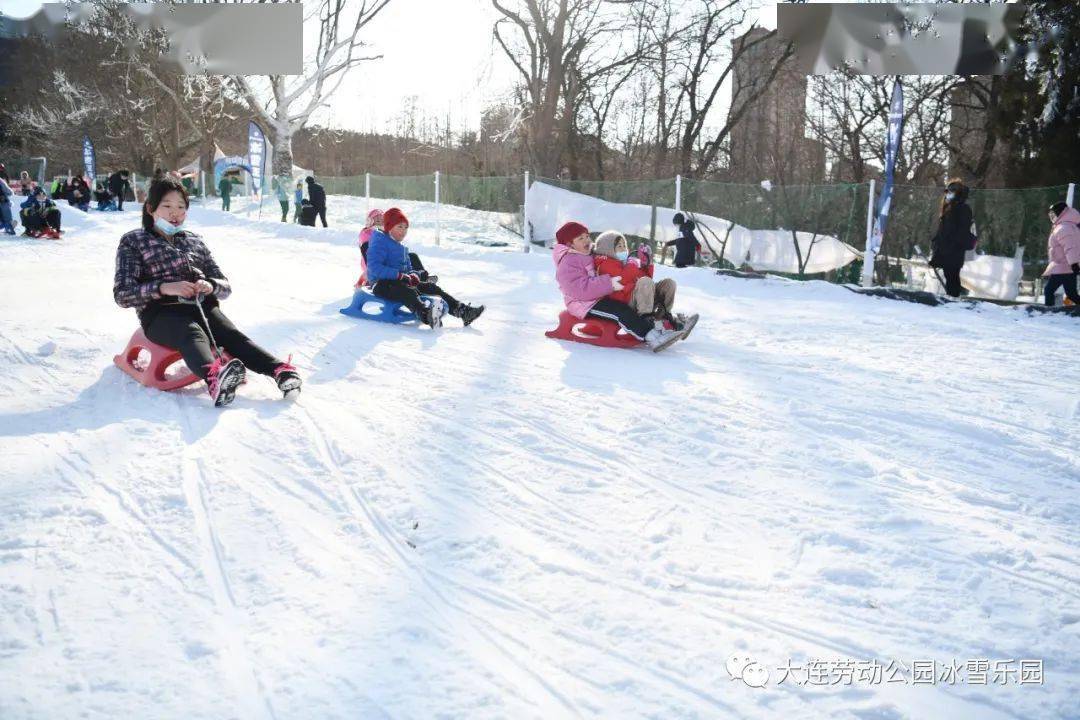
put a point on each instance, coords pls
(577, 277)
(1064, 245)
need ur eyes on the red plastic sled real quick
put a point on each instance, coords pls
(593, 331)
(152, 373)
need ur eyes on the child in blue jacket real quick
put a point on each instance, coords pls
(39, 215)
(395, 276)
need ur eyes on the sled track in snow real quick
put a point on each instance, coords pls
(253, 703)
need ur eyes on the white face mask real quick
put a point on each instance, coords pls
(949, 196)
(167, 227)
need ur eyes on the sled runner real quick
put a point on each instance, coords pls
(594, 331)
(370, 307)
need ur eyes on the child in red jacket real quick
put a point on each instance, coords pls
(639, 291)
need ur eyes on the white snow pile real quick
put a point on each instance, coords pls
(798, 512)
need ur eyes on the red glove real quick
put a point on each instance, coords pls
(411, 278)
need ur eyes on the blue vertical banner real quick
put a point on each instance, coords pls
(256, 155)
(892, 149)
(89, 160)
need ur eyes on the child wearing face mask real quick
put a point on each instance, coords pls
(586, 292)
(160, 269)
(647, 297)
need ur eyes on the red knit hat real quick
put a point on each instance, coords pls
(569, 231)
(393, 217)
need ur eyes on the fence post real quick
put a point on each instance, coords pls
(678, 193)
(438, 219)
(868, 257)
(1072, 193)
(367, 190)
(526, 232)
(202, 185)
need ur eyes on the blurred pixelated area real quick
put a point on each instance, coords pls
(216, 39)
(902, 38)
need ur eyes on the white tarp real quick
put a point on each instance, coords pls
(988, 276)
(771, 250)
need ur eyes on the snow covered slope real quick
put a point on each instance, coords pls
(485, 523)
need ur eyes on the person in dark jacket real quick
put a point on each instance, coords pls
(160, 269)
(103, 197)
(79, 193)
(39, 215)
(954, 237)
(118, 185)
(686, 245)
(318, 198)
(225, 190)
(7, 220)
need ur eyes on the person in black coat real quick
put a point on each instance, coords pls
(686, 245)
(954, 237)
(318, 198)
(118, 185)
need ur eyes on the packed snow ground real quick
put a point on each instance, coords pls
(485, 523)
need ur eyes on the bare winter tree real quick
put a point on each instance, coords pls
(561, 48)
(720, 36)
(285, 104)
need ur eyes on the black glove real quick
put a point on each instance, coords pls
(424, 276)
(1076, 268)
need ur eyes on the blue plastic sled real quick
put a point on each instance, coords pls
(369, 307)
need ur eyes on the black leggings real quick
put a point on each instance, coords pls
(952, 280)
(180, 327)
(399, 291)
(1063, 280)
(626, 316)
(322, 214)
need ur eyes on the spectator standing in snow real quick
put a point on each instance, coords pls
(281, 190)
(26, 185)
(160, 268)
(687, 247)
(1063, 249)
(225, 190)
(298, 200)
(118, 185)
(394, 277)
(954, 237)
(7, 219)
(584, 289)
(318, 198)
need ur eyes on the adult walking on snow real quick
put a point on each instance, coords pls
(1063, 249)
(954, 237)
(225, 190)
(318, 198)
(687, 247)
(118, 186)
(160, 269)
